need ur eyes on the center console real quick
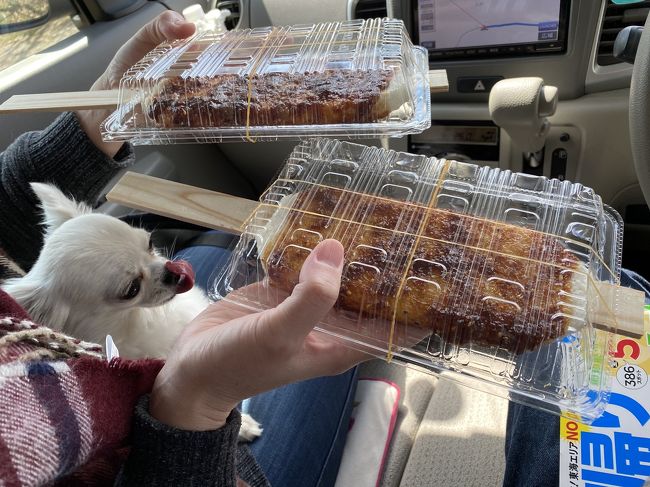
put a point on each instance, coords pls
(461, 140)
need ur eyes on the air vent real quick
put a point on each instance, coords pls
(233, 6)
(615, 19)
(370, 9)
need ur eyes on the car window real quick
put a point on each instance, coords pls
(28, 27)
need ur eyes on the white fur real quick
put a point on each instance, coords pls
(87, 260)
(77, 284)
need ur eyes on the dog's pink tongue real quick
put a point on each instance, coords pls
(184, 271)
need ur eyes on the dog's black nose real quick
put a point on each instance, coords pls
(169, 278)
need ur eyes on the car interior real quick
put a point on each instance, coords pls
(445, 434)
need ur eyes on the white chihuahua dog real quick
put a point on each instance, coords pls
(98, 276)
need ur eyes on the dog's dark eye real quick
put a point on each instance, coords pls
(133, 290)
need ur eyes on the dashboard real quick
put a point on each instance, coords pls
(559, 45)
(480, 30)
(480, 42)
(488, 40)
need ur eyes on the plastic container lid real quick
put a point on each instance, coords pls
(361, 78)
(487, 276)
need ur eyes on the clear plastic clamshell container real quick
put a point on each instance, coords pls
(360, 78)
(487, 276)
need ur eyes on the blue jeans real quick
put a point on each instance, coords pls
(532, 436)
(305, 424)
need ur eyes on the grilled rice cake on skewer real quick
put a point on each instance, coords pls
(468, 280)
(329, 97)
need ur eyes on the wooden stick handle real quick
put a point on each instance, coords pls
(182, 202)
(613, 308)
(438, 81)
(617, 309)
(62, 102)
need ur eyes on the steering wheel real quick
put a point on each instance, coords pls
(640, 112)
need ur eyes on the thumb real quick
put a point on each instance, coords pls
(313, 297)
(167, 26)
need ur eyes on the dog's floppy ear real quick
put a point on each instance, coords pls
(57, 207)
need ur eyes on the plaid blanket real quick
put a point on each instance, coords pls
(65, 412)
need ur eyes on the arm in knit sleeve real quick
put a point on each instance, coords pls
(162, 455)
(61, 154)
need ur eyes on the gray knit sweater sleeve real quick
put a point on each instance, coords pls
(164, 456)
(61, 154)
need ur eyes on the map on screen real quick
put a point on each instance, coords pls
(450, 24)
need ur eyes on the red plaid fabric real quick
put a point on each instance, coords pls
(65, 412)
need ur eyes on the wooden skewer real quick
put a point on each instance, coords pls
(182, 202)
(615, 309)
(109, 99)
(438, 81)
(618, 305)
(62, 102)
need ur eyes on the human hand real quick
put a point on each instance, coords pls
(228, 354)
(168, 26)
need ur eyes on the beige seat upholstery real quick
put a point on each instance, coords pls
(446, 434)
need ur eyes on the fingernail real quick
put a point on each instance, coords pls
(329, 252)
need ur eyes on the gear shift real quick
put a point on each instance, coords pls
(520, 107)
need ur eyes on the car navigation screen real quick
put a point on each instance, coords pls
(481, 28)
